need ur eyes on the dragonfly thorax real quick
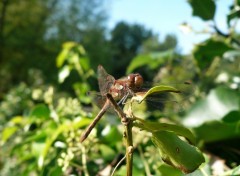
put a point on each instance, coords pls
(126, 86)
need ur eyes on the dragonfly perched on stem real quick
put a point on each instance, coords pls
(121, 89)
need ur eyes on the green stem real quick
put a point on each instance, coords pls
(129, 147)
(128, 124)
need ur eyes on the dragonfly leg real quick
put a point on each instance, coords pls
(123, 99)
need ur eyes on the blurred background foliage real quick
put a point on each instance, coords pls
(49, 52)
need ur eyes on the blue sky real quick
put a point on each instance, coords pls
(165, 16)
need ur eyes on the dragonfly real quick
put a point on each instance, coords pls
(120, 89)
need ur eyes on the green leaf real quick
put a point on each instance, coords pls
(153, 60)
(140, 96)
(7, 133)
(17, 120)
(165, 169)
(234, 171)
(69, 45)
(220, 130)
(40, 111)
(155, 127)
(215, 106)
(207, 51)
(64, 73)
(177, 152)
(232, 117)
(204, 9)
(62, 57)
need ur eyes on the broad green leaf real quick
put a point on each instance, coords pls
(40, 111)
(177, 152)
(153, 60)
(140, 96)
(155, 127)
(205, 52)
(204, 9)
(165, 169)
(228, 128)
(215, 106)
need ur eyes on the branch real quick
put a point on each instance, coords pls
(219, 32)
(128, 124)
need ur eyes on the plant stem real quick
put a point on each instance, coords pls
(129, 147)
(128, 124)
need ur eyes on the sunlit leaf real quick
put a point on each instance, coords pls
(205, 52)
(64, 73)
(7, 133)
(140, 96)
(17, 120)
(155, 127)
(215, 106)
(165, 169)
(228, 128)
(152, 60)
(177, 152)
(205, 9)
(61, 58)
(69, 45)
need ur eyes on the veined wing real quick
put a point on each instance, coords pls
(174, 101)
(105, 81)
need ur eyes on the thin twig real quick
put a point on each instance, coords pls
(95, 121)
(118, 165)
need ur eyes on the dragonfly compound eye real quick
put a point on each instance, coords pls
(138, 81)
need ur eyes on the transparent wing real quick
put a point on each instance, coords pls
(170, 101)
(105, 81)
(99, 100)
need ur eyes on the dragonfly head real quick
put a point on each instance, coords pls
(135, 81)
